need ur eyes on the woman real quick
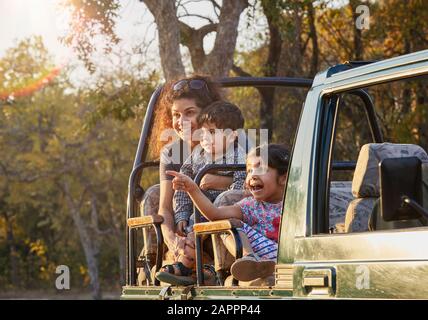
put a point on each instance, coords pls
(180, 104)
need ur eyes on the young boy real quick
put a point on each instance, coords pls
(219, 123)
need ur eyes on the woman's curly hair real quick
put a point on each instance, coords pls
(163, 117)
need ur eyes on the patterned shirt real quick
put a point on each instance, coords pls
(182, 203)
(172, 158)
(264, 217)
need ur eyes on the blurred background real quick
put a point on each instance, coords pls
(76, 77)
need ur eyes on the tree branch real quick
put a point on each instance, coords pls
(216, 7)
(193, 39)
(197, 16)
(240, 72)
(220, 60)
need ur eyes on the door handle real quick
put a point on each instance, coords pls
(319, 281)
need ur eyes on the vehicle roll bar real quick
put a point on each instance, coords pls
(135, 192)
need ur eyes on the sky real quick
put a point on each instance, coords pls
(23, 18)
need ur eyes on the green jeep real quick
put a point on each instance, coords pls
(352, 227)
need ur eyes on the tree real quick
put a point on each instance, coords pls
(20, 72)
(98, 17)
(57, 171)
(285, 47)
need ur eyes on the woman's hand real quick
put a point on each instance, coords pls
(181, 228)
(182, 182)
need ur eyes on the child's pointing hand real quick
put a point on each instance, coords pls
(182, 182)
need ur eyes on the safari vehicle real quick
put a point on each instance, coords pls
(352, 227)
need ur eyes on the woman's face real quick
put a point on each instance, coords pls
(184, 117)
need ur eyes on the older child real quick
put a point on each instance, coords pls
(219, 124)
(260, 213)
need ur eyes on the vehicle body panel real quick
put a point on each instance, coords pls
(380, 264)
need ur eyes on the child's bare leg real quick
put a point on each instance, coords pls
(229, 242)
(249, 267)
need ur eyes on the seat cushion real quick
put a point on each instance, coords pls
(366, 184)
(150, 202)
(358, 214)
(366, 176)
(149, 206)
(340, 197)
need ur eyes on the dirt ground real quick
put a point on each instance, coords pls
(55, 295)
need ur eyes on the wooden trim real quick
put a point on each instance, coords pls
(145, 221)
(215, 226)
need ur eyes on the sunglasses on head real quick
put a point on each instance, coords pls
(195, 84)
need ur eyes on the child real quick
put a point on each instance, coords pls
(216, 146)
(260, 213)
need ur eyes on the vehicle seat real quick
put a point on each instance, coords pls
(340, 197)
(365, 184)
(149, 206)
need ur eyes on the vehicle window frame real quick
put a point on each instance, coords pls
(322, 188)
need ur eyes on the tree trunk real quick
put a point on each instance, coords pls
(193, 39)
(358, 44)
(271, 70)
(122, 260)
(10, 240)
(165, 14)
(219, 62)
(291, 65)
(172, 32)
(267, 109)
(314, 39)
(119, 238)
(89, 244)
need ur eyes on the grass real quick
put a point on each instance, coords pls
(77, 294)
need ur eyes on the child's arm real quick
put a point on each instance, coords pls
(210, 211)
(182, 204)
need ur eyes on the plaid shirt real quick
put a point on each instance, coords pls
(182, 203)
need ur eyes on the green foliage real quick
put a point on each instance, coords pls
(121, 96)
(92, 27)
(46, 142)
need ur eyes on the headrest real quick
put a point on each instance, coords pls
(365, 183)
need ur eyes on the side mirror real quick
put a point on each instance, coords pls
(401, 189)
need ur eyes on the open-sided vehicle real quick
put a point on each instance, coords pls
(353, 227)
